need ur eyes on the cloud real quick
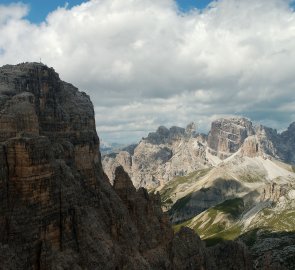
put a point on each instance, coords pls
(12, 12)
(144, 63)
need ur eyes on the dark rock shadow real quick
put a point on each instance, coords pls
(199, 201)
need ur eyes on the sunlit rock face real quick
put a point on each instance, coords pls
(161, 156)
(169, 153)
(227, 136)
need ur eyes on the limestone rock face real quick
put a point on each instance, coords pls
(111, 162)
(168, 153)
(288, 148)
(186, 242)
(227, 135)
(268, 140)
(251, 147)
(57, 207)
(161, 156)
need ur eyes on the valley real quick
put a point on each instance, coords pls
(236, 183)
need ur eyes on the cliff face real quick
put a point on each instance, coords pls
(170, 153)
(227, 136)
(58, 209)
(161, 156)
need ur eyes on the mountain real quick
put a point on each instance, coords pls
(168, 153)
(246, 198)
(58, 209)
(238, 182)
(161, 156)
(111, 148)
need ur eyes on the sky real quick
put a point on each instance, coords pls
(39, 9)
(147, 63)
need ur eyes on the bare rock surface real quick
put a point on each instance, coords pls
(227, 136)
(161, 156)
(58, 209)
(169, 153)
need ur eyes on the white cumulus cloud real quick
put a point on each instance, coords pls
(144, 63)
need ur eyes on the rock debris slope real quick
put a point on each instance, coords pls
(236, 183)
(58, 209)
(248, 195)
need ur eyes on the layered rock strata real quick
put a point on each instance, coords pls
(161, 156)
(227, 136)
(168, 153)
(58, 209)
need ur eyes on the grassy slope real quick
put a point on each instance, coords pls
(170, 189)
(223, 221)
(229, 227)
(217, 223)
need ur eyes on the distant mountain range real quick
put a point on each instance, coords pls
(237, 182)
(168, 153)
(109, 148)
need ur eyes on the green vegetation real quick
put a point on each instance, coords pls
(221, 222)
(233, 207)
(229, 234)
(293, 168)
(181, 203)
(177, 227)
(217, 223)
(170, 189)
(283, 221)
(251, 178)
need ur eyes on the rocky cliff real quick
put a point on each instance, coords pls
(175, 152)
(161, 156)
(227, 136)
(58, 209)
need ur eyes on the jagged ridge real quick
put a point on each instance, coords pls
(168, 153)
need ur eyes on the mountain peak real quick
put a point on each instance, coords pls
(164, 135)
(227, 135)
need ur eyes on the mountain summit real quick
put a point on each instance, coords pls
(235, 183)
(168, 153)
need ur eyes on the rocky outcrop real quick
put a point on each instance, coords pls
(161, 156)
(111, 162)
(268, 141)
(168, 153)
(231, 255)
(251, 147)
(58, 209)
(227, 136)
(227, 255)
(287, 149)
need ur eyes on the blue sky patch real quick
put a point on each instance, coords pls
(186, 5)
(39, 9)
